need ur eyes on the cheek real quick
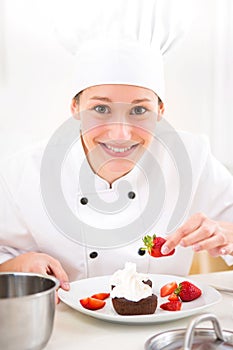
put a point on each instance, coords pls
(147, 140)
(146, 128)
(91, 136)
(143, 134)
(88, 139)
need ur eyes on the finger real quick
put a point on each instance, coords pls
(227, 249)
(214, 241)
(65, 285)
(57, 300)
(222, 250)
(192, 224)
(58, 272)
(206, 230)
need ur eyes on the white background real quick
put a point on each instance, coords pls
(35, 71)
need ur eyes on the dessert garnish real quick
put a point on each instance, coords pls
(174, 305)
(95, 302)
(168, 289)
(92, 303)
(184, 292)
(154, 244)
(187, 291)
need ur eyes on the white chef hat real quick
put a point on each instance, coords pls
(122, 42)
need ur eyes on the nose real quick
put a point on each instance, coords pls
(120, 131)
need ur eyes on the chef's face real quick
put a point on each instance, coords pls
(117, 125)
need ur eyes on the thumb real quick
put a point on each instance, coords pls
(57, 271)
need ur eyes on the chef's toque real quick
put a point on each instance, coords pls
(122, 42)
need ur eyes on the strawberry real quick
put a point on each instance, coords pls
(92, 303)
(168, 289)
(153, 245)
(171, 305)
(173, 297)
(101, 296)
(188, 291)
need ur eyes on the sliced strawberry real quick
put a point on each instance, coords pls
(171, 305)
(173, 297)
(92, 303)
(187, 291)
(154, 244)
(168, 289)
(84, 302)
(101, 296)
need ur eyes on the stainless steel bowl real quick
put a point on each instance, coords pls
(193, 337)
(27, 307)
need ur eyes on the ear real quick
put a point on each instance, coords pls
(161, 109)
(74, 109)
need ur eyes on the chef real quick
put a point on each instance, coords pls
(78, 205)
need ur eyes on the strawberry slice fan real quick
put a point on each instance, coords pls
(171, 305)
(168, 289)
(95, 302)
(184, 292)
(92, 303)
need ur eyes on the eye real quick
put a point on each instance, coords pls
(138, 110)
(102, 109)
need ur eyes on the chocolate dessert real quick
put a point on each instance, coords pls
(144, 306)
(132, 292)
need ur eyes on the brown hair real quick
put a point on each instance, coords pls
(77, 98)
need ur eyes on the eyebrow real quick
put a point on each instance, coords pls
(106, 99)
(101, 98)
(142, 100)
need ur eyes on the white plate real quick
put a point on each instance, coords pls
(87, 287)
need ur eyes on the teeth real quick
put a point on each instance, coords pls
(118, 150)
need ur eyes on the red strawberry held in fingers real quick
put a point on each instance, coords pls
(174, 305)
(92, 303)
(154, 244)
(187, 291)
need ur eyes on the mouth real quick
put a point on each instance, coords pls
(119, 151)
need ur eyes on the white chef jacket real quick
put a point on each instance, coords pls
(25, 225)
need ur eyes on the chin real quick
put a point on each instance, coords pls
(120, 167)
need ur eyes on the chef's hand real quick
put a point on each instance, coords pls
(202, 233)
(37, 263)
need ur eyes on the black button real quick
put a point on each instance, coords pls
(93, 255)
(131, 195)
(141, 251)
(84, 201)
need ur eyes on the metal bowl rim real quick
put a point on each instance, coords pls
(32, 274)
(179, 330)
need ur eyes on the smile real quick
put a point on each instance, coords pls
(118, 151)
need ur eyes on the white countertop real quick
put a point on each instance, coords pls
(74, 330)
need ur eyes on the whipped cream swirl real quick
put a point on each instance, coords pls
(129, 284)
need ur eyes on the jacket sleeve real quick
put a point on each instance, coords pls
(214, 195)
(15, 237)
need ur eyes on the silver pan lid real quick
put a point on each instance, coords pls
(193, 338)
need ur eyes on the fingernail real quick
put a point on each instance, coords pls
(65, 285)
(182, 243)
(165, 250)
(196, 247)
(223, 251)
